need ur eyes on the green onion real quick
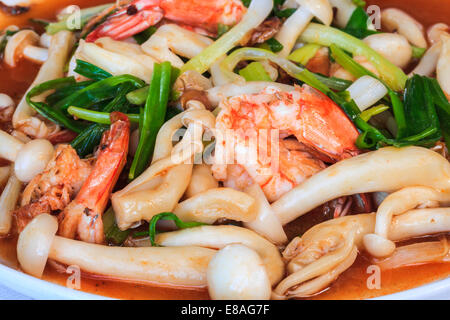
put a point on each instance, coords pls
(66, 91)
(359, 3)
(371, 112)
(273, 45)
(417, 52)
(67, 24)
(357, 26)
(394, 77)
(153, 117)
(304, 54)
(100, 91)
(222, 29)
(41, 22)
(169, 216)
(333, 83)
(112, 232)
(52, 114)
(97, 116)
(256, 14)
(4, 41)
(358, 71)
(255, 72)
(420, 112)
(87, 140)
(90, 71)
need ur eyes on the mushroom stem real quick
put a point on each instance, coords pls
(292, 29)
(9, 146)
(294, 26)
(35, 54)
(8, 201)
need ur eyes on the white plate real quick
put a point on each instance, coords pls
(39, 289)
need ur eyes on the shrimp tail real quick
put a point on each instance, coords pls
(84, 214)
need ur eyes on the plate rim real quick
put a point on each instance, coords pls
(25, 284)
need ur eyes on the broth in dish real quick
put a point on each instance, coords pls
(169, 150)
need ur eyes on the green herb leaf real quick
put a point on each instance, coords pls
(112, 232)
(255, 72)
(91, 71)
(145, 35)
(169, 216)
(358, 24)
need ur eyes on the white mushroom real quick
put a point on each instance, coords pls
(185, 266)
(6, 101)
(388, 169)
(401, 22)
(7, 107)
(443, 65)
(171, 40)
(8, 201)
(23, 44)
(32, 159)
(345, 9)
(9, 146)
(393, 47)
(46, 40)
(53, 68)
(428, 63)
(296, 24)
(34, 244)
(237, 273)
(437, 30)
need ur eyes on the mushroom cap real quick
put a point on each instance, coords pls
(237, 272)
(437, 30)
(393, 19)
(16, 45)
(321, 9)
(393, 46)
(34, 244)
(6, 101)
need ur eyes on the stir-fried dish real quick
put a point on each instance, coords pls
(255, 148)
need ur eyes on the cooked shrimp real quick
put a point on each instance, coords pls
(83, 216)
(141, 14)
(322, 130)
(53, 189)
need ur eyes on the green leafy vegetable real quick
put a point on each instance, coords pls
(273, 45)
(69, 22)
(97, 116)
(66, 91)
(90, 71)
(222, 29)
(420, 112)
(371, 112)
(359, 3)
(153, 117)
(255, 72)
(393, 76)
(97, 92)
(169, 216)
(145, 35)
(304, 54)
(87, 140)
(358, 24)
(4, 41)
(112, 232)
(417, 52)
(54, 115)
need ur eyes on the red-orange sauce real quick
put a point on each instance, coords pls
(350, 285)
